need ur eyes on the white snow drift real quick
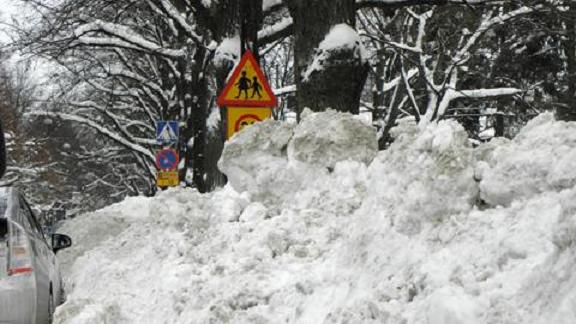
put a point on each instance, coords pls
(429, 231)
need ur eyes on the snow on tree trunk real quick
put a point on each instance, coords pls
(339, 81)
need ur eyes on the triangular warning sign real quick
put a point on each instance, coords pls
(167, 131)
(247, 87)
(167, 135)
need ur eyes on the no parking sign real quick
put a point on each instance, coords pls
(167, 160)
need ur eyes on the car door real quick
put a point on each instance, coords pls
(43, 258)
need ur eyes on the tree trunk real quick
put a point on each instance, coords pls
(226, 17)
(196, 103)
(250, 24)
(339, 84)
(568, 110)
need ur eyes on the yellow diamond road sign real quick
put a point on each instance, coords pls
(240, 117)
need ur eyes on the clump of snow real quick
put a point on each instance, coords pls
(227, 52)
(404, 238)
(213, 121)
(431, 169)
(268, 4)
(342, 38)
(323, 139)
(207, 3)
(255, 160)
(539, 159)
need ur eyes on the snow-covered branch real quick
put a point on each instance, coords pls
(101, 129)
(116, 35)
(281, 29)
(392, 4)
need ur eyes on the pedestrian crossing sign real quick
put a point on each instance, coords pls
(247, 87)
(167, 132)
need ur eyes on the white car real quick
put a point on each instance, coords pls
(30, 282)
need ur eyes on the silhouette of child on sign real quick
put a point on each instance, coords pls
(256, 87)
(243, 85)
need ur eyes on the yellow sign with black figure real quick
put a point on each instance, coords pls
(247, 87)
(167, 179)
(241, 117)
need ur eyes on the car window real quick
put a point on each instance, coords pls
(3, 236)
(3, 228)
(3, 205)
(27, 212)
(3, 246)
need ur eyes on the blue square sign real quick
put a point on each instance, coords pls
(167, 132)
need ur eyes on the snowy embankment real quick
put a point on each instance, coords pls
(316, 226)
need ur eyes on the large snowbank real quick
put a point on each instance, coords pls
(429, 231)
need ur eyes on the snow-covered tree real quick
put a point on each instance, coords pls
(134, 63)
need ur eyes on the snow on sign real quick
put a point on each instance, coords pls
(240, 117)
(247, 87)
(167, 132)
(167, 160)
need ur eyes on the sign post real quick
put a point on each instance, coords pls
(247, 95)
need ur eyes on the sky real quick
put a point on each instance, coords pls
(7, 10)
(13, 9)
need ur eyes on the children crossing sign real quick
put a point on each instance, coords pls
(247, 87)
(167, 132)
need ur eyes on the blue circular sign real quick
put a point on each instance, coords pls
(167, 160)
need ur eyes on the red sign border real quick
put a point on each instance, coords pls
(242, 117)
(159, 153)
(223, 102)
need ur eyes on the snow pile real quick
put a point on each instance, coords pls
(339, 137)
(426, 176)
(523, 168)
(429, 231)
(273, 161)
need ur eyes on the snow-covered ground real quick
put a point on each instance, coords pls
(316, 226)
